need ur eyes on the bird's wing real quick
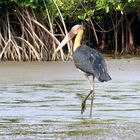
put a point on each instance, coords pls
(91, 61)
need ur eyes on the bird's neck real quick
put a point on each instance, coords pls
(78, 39)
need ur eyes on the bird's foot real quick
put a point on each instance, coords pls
(83, 107)
(92, 96)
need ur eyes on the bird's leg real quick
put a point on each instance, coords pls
(92, 98)
(83, 106)
(90, 83)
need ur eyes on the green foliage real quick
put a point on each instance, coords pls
(82, 9)
(86, 15)
(25, 17)
(27, 3)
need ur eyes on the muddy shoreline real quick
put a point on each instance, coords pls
(41, 100)
(51, 69)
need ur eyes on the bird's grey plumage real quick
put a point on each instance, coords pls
(92, 62)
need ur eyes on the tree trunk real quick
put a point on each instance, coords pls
(131, 42)
(123, 40)
(116, 36)
(116, 41)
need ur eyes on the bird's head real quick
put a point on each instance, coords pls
(74, 31)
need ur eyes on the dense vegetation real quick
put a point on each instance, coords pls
(32, 29)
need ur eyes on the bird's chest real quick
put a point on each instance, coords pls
(79, 57)
(82, 61)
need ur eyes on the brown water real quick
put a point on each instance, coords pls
(41, 100)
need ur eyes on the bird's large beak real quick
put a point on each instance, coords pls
(68, 37)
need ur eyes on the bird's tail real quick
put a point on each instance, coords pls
(104, 77)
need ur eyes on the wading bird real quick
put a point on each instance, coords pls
(88, 60)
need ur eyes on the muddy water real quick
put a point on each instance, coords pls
(41, 100)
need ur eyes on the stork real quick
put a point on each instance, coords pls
(88, 60)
